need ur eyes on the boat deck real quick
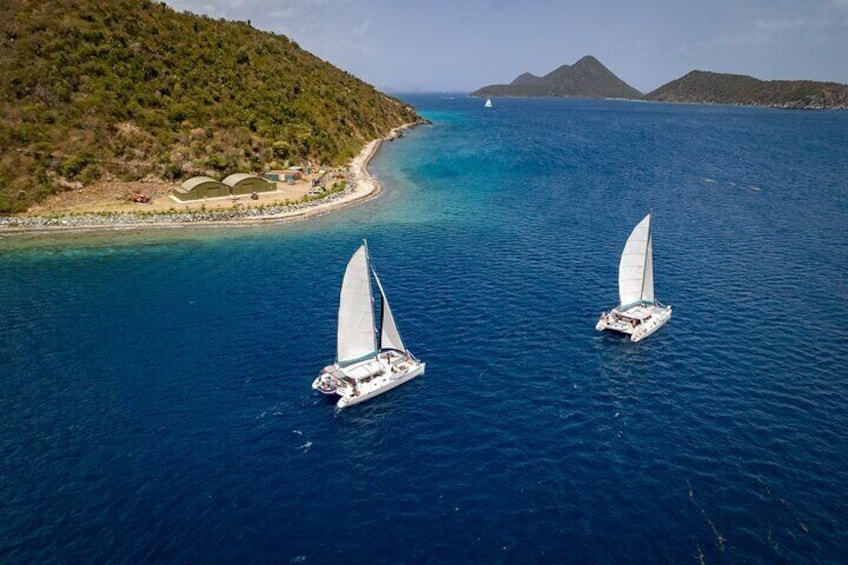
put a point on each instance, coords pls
(369, 377)
(640, 312)
(638, 321)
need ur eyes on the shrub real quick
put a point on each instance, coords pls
(73, 166)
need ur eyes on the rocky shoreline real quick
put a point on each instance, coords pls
(361, 186)
(141, 219)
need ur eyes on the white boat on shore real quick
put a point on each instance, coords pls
(488, 103)
(368, 362)
(638, 314)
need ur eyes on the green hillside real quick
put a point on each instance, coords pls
(132, 90)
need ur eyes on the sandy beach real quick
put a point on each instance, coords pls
(63, 213)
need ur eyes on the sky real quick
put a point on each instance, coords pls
(462, 45)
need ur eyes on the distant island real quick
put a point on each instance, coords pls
(589, 78)
(112, 92)
(721, 88)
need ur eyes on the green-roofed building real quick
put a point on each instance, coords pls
(243, 183)
(198, 188)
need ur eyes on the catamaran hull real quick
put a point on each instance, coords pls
(655, 323)
(639, 332)
(350, 400)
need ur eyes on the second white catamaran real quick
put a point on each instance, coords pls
(638, 314)
(368, 362)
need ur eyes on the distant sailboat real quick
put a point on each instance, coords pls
(367, 364)
(488, 103)
(638, 314)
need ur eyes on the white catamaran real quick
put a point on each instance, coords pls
(638, 314)
(367, 363)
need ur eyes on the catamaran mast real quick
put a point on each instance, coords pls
(648, 259)
(370, 269)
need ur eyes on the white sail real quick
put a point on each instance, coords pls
(389, 334)
(636, 268)
(488, 103)
(356, 311)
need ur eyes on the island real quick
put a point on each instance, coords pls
(587, 78)
(705, 87)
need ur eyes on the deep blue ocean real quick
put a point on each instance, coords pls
(155, 402)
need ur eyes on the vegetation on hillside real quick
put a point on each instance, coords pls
(131, 90)
(721, 88)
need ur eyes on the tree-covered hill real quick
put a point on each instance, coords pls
(131, 89)
(587, 78)
(722, 88)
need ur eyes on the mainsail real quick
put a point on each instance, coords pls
(389, 334)
(636, 268)
(356, 312)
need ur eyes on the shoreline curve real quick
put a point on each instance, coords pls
(363, 186)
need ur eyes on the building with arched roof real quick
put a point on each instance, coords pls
(243, 183)
(198, 188)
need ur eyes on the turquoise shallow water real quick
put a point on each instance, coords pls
(155, 402)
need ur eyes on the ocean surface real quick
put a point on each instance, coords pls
(155, 402)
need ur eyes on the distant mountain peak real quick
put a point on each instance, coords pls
(559, 70)
(587, 78)
(588, 60)
(526, 78)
